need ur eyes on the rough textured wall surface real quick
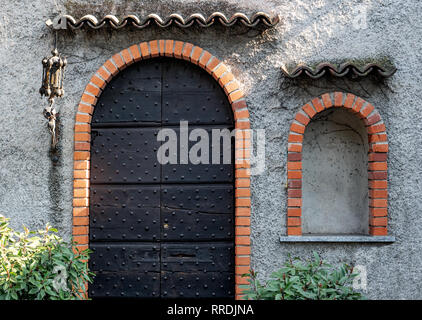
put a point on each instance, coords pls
(335, 174)
(32, 191)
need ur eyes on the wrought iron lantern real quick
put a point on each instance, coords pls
(52, 87)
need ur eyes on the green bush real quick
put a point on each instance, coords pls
(40, 265)
(304, 280)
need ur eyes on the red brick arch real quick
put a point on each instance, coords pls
(377, 158)
(217, 69)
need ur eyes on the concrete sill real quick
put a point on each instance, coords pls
(338, 239)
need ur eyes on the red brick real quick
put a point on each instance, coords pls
(243, 250)
(298, 138)
(98, 81)
(309, 110)
(206, 56)
(81, 239)
(243, 202)
(244, 114)
(364, 112)
(92, 90)
(294, 184)
(81, 155)
(378, 231)
(80, 230)
(82, 136)
(85, 108)
(80, 221)
(128, 60)
(358, 104)
(294, 202)
(242, 183)
(145, 53)
(105, 74)
(378, 203)
(243, 231)
(210, 66)
(294, 174)
(243, 192)
(178, 47)
(242, 125)
(377, 156)
(86, 98)
(161, 49)
(292, 156)
(377, 175)
(293, 221)
(82, 146)
(243, 212)
(378, 193)
(378, 221)
(168, 51)
(81, 165)
(110, 67)
(80, 212)
(134, 50)
(326, 99)
(298, 128)
(300, 117)
(294, 193)
(118, 61)
(243, 261)
(350, 98)
(377, 137)
(230, 87)
(294, 231)
(338, 99)
(82, 127)
(154, 49)
(380, 147)
(378, 212)
(378, 184)
(295, 147)
(187, 49)
(317, 105)
(373, 119)
(219, 71)
(377, 166)
(294, 212)
(243, 221)
(297, 165)
(81, 183)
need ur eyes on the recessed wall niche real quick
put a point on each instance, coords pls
(335, 176)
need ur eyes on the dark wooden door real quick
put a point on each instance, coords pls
(159, 230)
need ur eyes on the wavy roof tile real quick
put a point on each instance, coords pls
(342, 70)
(259, 18)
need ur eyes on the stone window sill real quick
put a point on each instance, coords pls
(337, 239)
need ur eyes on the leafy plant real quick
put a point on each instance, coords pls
(304, 280)
(40, 265)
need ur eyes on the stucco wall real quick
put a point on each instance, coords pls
(32, 191)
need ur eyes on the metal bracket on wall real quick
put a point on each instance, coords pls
(261, 19)
(338, 71)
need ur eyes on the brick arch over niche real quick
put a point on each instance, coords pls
(216, 69)
(377, 158)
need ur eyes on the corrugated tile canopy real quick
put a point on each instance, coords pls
(341, 70)
(259, 18)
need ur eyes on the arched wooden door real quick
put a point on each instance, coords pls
(159, 230)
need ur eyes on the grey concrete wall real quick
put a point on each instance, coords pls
(32, 191)
(335, 174)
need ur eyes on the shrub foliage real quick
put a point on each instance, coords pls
(304, 280)
(40, 265)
